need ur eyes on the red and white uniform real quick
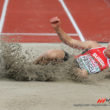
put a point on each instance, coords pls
(93, 60)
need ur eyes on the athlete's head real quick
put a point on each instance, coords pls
(107, 50)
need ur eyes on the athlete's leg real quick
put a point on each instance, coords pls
(50, 55)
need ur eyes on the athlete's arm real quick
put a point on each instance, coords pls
(68, 40)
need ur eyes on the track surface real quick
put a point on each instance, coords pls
(1, 6)
(32, 17)
(92, 17)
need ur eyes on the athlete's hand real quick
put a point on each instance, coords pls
(55, 22)
(82, 73)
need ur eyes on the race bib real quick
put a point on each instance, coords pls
(87, 62)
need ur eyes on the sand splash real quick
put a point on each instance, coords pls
(18, 65)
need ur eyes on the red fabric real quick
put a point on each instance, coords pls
(99, 57)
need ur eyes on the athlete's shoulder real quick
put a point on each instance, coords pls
(92, 44)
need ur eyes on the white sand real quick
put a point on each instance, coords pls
(51, 95)
(60, 95)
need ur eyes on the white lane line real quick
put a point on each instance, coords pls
(3, 15)
(72, 20)
(34, 34)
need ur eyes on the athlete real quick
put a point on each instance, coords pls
(94, 59)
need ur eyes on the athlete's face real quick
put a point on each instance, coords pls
(107, 51)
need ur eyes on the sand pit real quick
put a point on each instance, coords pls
(52, 95)
(59, 89)
(17, 63)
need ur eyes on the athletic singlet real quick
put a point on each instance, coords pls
(93, 60)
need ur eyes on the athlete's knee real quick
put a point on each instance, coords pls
(52, 54)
